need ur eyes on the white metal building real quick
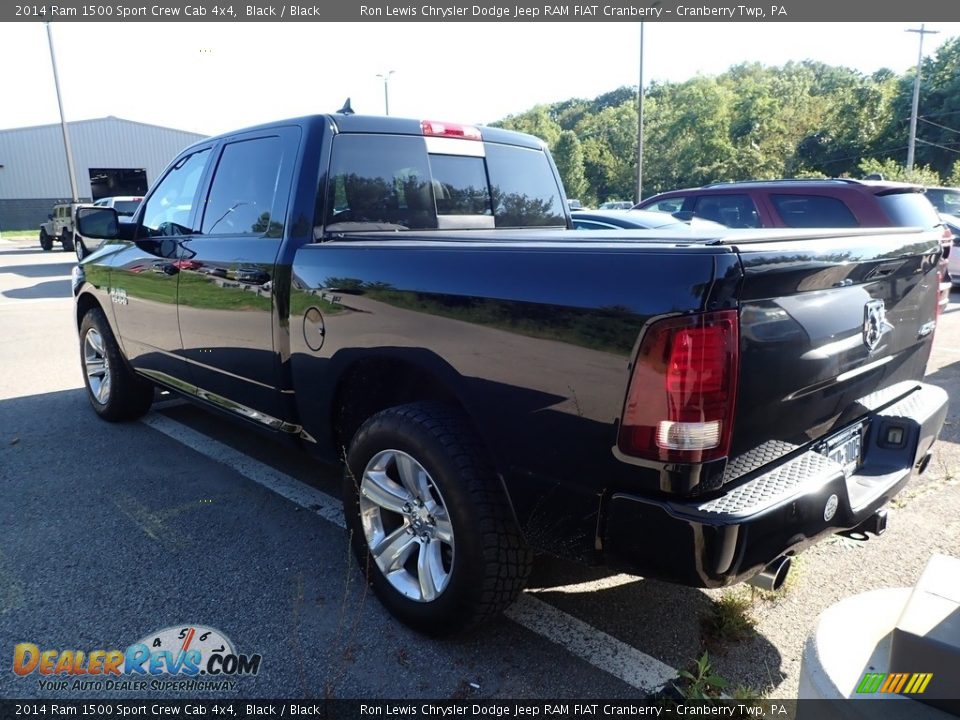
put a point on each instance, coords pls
(111, 157)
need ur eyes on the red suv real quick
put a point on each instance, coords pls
(814, 203)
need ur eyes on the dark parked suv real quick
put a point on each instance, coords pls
(812, 203)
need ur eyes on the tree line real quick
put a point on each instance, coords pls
(802, 119)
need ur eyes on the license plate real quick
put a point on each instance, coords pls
(844, 449)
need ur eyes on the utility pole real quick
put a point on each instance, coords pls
(386, 93)
(63, 122)
(912, 144)
(640, 124)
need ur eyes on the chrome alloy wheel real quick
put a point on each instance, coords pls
(97, 366)
(406, 525)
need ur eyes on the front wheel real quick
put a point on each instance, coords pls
(430, 522)
(114, 390)
(46, 242)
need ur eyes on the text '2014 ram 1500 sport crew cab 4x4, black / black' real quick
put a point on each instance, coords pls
(406, 296)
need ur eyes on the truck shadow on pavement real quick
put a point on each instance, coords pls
(40, 291)
(58, 288)
(40, 270)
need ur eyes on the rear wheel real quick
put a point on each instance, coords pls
(66, 239)
(430, 522)
(114, 390)
(46, 242)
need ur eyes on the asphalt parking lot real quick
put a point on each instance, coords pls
(110, 533)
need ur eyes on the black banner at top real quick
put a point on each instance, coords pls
(480, 11)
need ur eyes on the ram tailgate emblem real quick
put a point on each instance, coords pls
(875, 323)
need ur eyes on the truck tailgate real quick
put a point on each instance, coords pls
(831, 328)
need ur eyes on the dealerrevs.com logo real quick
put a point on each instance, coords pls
(187, 657)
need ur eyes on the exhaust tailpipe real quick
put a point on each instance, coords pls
(924, 463)
(773, 576)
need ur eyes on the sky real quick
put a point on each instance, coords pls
(217, 77)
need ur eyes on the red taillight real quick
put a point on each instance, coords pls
(453, 130)
(683, 390)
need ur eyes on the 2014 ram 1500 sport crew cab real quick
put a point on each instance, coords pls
(406, 296)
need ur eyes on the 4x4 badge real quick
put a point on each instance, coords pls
(874, 323)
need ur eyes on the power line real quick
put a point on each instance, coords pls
(942, 147)
(943, 127)
(864, 155)
(941, 114)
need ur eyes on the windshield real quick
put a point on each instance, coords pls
(946, 200)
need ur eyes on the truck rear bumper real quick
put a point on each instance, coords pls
(730, 537)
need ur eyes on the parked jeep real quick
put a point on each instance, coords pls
(59, 227)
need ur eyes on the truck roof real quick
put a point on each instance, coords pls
(379, 124)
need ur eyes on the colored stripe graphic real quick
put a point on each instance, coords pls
(870, 683)
(893, 683)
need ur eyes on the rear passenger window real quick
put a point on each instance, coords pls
(910, 209)
(734, 211)
(813, 211)
(379, 183)
(243, 189)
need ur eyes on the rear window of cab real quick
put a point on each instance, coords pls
(396, 182)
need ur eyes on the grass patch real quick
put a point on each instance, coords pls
(728, 620)
(746, 693)
(700, 682)
(20, 234)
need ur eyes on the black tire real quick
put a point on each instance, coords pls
(488, 560)
(80, 248)
(128, 396)
(46, 242)
(66, 239)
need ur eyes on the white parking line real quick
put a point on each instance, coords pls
(601, 650)
(282, 484)
(641, 671)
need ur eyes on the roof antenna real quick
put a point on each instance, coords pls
(346, 109)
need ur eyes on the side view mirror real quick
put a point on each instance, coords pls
(50, 216)
(684, 215)
(98, 223)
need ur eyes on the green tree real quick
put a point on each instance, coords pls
(609, 141)
(954, 179)
(537, 122)
(568, 154)
(890, 169)
(687, 137)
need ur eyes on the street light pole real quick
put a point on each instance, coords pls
(640, 124)
(386, 93)
(63, 122)
(912, 144)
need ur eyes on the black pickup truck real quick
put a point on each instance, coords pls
(406, 296)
